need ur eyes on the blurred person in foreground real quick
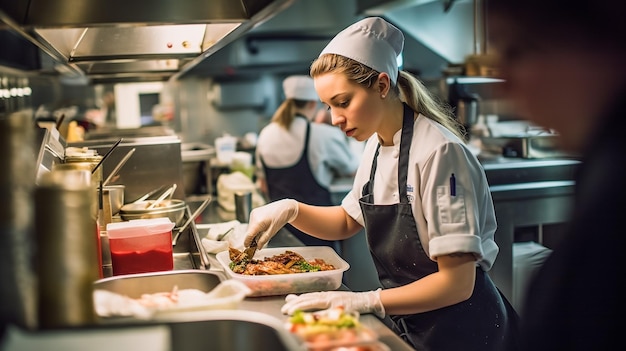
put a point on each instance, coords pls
(297, 158)
(565, 69)
(420, 194)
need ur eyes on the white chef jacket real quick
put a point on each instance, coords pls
(330, 154)
(446, 224)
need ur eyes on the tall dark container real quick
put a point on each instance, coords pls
(18, 300)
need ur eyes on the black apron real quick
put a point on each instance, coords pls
(297, 182)
(486, 321)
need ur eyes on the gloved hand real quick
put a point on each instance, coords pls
(362, 302)
(266, 221)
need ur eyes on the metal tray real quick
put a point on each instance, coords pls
(524, 146)
(135, 285)
(188, 251)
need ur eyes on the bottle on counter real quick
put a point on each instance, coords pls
(67, 250)
(18, 297)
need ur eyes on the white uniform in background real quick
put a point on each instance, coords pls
(465, 225)
(330, 154)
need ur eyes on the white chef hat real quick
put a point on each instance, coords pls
(373, 42)
(300, 88)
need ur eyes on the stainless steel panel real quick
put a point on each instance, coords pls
(135, 285)
(525, 146)
(72, 31)
(156, 162)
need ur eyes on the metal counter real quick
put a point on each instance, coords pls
(527, 193)
(271, 304)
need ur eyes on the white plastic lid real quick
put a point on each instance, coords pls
(139, 227)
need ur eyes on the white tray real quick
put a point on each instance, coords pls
(295, 283)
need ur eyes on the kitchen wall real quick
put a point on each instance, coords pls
(208, 108)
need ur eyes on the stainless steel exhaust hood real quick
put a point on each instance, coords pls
(133, 39)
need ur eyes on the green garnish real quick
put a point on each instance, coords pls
(307, 267)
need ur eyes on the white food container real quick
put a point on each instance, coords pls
(295, 283)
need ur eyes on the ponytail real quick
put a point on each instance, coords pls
(285, 114)
(420, 99)
(408, 89)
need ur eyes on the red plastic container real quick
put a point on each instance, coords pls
(141, 246)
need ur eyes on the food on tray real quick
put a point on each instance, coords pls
(332, 329)
(295, 283)
(284, 263)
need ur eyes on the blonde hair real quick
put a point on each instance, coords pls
(408, 89)
(287, 111)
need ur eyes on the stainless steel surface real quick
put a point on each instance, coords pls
(108, 39)
(196, 171)
(67, 239)
(467, 111)
(51, 150)
(526, 193)
(172, 209)
(88, 163)
(243, 206)
(235, 330)
(189, 252)
(166, 194)
(115, 195)
(118, 167)
(450, 34)
(191, 218)
(271, 305)
(134, 285)
(525, 146)
(145, 171)
(19, 163)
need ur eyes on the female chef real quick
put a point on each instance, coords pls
(298, 159)
(420, 194)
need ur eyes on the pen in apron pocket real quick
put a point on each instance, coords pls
(452, 185)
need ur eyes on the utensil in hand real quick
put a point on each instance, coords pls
(247, 254)
(106, 155)
(250, 251)
(119, 166)
(162, 197)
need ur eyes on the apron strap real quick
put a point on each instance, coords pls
(403, 162)
(368, 188)
(405, 144)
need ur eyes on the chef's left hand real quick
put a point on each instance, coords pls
(362, 302)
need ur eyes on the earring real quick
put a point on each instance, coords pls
(383, 96)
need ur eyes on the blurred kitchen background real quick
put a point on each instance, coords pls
(171, 79)
(235, 89)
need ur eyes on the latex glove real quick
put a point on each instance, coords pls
(266, 221)
(362, 302)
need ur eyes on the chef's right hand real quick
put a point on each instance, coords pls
(266, 221)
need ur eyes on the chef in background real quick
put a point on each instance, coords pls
(299, 159)
(420, 194)
(565, 69)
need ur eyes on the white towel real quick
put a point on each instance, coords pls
(226, 295)
(234, 236)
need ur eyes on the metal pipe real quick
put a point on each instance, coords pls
(480, 40)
